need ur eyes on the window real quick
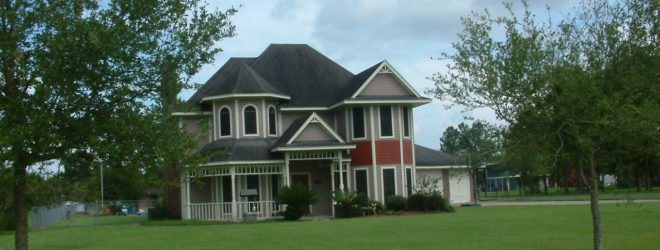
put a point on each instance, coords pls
(275, 185)
(386, 121)
(406, 123)
(409, 181)
(358, 122)
(272, 129)
(252, 182)
(361, 181)
(250, 120)
(225, 122)
(389, 185)
(226, 188)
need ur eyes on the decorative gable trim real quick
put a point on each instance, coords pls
(386, 67)
(315, 118)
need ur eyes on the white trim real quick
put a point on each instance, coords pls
(416, 101)
(218, 163)
(304, 108)
(380, 68)
(404, 183)
(443, 167)
(315, 118)
(256, 116)
(380, 125)
(373, 152)
(217, 97)
(204, 113)
(346, 121)
(219, 135)
(412, 145)
(305, 148)
(279, 121)
(264, 114)
(276, 119)
(355, 178)
(364, 124)
(382, 180)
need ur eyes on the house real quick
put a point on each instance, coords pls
(293, 116)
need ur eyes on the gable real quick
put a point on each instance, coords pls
(314, 132)
(384, 84)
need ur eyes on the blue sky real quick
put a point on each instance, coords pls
(358, 34)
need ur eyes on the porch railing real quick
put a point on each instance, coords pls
(222, 211)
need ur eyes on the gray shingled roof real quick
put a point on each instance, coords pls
(429, 157)
(288, 133)
(356, 82)
(295, 70)
(241, 150)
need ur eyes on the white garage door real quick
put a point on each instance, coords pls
(459, 186)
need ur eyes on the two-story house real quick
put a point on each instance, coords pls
(293, 116)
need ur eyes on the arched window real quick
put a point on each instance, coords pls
(250, 120)
(225, 122)
(272, 128)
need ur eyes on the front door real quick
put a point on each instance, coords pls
(302, 180)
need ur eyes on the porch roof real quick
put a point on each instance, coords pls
(242, 150)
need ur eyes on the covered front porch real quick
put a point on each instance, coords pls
(244, 191)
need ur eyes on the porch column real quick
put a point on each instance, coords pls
(348, 177)
(341, 173)
(188, 196)
(332, 185)
(234, 208)
(286, 179)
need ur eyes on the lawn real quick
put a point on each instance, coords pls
(634, 226)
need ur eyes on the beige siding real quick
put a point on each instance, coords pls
(198, 127)
(384, 84)
(320, 183)
(341, 124)
(314, 132)
(289, 117)
(200, 190)
(435, 174)
(328, 117)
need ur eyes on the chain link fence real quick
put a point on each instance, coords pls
(86, 214)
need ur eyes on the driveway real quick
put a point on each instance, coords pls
(542, 203)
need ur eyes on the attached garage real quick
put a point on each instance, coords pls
(454, 179)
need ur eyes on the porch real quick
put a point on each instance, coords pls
(218, 192)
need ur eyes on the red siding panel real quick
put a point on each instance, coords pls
(388, 152)
(407, 152)
(361, 155)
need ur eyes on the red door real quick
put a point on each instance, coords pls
(302, 180)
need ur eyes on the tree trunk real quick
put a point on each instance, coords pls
(20, 207)
(545, 185)
(638, 179)
(565, 177)
(595, 209)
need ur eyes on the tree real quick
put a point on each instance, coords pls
(72, 71)
(476, 145)
(574, 91)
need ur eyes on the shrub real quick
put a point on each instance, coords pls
(350, 204)
(416, 202)
(295, 197)
(432, 201)
(396, 203)
(158, 212)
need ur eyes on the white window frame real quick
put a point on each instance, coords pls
(364, 124)
(256, 110)
(355, 169)
(220, 122)
(380, 127)
(268, 119)
(382, 182)
(403, 125)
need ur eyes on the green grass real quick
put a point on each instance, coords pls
(571, 191)
(581, 198)
(502, 227)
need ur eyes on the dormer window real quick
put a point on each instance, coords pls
(250, 120)
(272, 118)
(386, 121)
(225, 122)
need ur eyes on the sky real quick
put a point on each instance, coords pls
(360, 33)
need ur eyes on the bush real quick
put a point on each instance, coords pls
(158, 212)
(396, 203)
(350, 204)
(432, 201)
(416, 202)
(295, 197)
